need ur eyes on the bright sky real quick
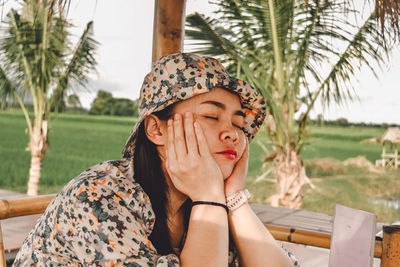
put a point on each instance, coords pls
(124, 30)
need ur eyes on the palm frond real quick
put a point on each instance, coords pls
(8, 92)
(15, 51)
(81, 63)
(212, 39)
(7, 89)
(366, 46)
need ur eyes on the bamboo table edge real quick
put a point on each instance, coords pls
(310, 238)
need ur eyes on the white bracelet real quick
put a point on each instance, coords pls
(236, 200)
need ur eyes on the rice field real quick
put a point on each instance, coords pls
(80, 141)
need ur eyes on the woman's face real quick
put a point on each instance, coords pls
(221, 117)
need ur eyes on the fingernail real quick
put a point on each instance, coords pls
(169, 122)
(176, 116)
(187, 114)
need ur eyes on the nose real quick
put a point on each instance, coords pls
(229, 133)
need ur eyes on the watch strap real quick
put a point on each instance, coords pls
(236, 200)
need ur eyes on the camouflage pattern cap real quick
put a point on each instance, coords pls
(178, 77)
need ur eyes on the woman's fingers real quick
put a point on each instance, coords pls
(190, 136)
(180, 143)
(185, 169)
(201, 140)
(171, 143)
(171, 154)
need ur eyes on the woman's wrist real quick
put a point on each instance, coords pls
(211, 203)
(236, 200)
(216, 197)
(208, 212)
(232, 191)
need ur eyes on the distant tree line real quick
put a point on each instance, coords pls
(103, 104)
(106, 104)
(343, 122)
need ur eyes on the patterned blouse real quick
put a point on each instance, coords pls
(100, 218)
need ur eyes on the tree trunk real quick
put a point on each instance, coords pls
(291, 178)
(38, 146)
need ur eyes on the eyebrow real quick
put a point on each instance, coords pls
(223, 107)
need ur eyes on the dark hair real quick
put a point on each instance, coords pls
(149, 174)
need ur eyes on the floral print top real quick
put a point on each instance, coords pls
(100, 218)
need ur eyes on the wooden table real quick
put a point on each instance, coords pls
(16, 229)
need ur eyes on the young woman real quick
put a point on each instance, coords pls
(178, 197)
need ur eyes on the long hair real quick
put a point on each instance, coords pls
(149, 174)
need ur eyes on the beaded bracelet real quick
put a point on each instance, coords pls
(211, 203)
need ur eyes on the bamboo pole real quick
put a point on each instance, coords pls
(2, 254)
(24, 206)
(391, 246)
(168, 28)
(310, 238)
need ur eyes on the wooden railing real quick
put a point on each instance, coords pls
(20, 207)
(387, 249)
(24, 206)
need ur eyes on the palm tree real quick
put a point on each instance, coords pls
(295, 52)
(38, 62)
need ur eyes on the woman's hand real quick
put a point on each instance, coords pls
(236, 182)
(189, 163)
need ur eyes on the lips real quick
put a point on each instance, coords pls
(229, 153)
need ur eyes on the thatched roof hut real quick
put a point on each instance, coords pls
(390, 152)
(390, 156)
(392, 135)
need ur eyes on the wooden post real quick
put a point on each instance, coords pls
(391, 246)
(168, 28)
(383, 149)
(2, 255)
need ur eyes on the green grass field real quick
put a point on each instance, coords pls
(76, 143)
(80, 141)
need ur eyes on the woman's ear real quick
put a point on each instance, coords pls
(156, 129)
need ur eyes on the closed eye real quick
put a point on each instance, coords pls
(216, 118)
(211, 117)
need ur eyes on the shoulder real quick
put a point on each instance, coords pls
(107, 189)
(108, 173)
(100, 217)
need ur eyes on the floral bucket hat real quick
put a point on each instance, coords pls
(177, 77)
